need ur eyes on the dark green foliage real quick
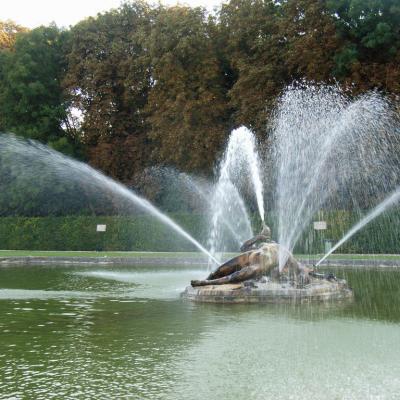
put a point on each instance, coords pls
(32, 103)
(369, 32)
(371, 25)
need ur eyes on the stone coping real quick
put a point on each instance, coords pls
(318, 290)
(184, 261)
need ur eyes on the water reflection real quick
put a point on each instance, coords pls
(75, 332)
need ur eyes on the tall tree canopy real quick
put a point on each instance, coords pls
(256, 52)
(109, 79)
(370, 53)
(141, 84)
(8, 33)
(188, 110)
(32, 102)
(309, 32)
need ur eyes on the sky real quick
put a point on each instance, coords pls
(33, 13)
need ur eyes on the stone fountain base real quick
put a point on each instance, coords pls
(318, 290)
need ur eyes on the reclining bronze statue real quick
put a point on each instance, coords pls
(254, 276)
(259, 257)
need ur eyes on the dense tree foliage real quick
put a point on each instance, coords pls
(109, 80)
(142, 85)
(369, 54)
(256, 53)
(32, 101)
(311, 41)
(188, 112)
(8, 33)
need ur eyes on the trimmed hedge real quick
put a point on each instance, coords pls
(141, 233)
(381, 235)
(144, 233)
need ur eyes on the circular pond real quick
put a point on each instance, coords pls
(124, 332)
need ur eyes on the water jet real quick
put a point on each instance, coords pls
(33, 155)
(324, 144)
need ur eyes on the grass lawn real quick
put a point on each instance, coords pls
(129, 254)
(352, 256)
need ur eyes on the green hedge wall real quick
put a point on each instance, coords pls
(381, 235)
(140, 233)
(144, 233)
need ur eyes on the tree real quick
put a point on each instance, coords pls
(256, 48)
(188, 108)
(8, 33)
(108, 80)
(311, 40)
(370, 52)
(32, 102)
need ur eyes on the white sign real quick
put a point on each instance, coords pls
(320, 225)
(101, 228)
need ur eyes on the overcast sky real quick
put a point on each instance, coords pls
(32, 13)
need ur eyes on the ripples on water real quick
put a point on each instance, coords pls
(71, 332)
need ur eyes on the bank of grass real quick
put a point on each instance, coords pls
(82, 254)
(183, 255)
(352, 256)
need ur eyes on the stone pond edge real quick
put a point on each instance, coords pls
(176, 261)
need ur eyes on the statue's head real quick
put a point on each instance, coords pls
(266, 231)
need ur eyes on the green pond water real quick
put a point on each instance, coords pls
(124, 333)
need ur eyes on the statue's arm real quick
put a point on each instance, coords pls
(248, 243)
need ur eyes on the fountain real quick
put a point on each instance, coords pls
(255, 276)
(326, 149)
(197, 195)
(324, 146)
(240, 159)
(100, 332)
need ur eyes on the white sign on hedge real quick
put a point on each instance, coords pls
(320, 225)
(101, 228)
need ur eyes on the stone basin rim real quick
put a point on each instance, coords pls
(270, 292)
